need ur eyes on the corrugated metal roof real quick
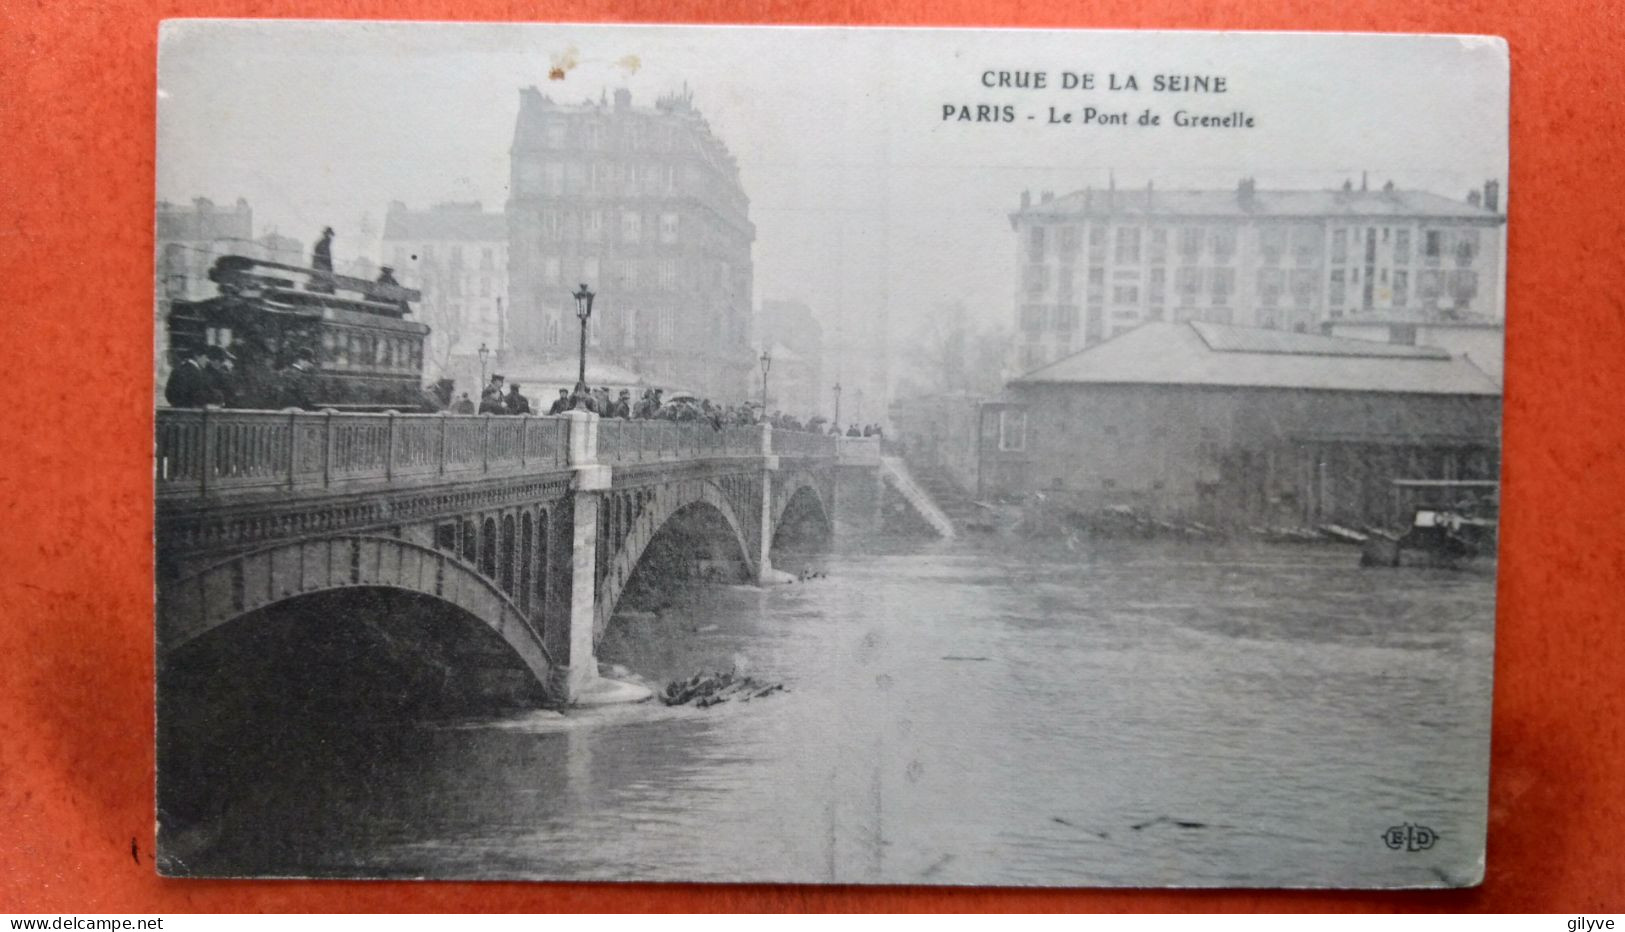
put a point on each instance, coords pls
(1261, 203)
(1203, 354)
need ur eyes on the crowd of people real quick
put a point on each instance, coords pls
(209, 377)
(650, 405)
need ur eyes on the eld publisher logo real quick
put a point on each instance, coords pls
(1410, 837)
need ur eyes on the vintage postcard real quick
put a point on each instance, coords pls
(824, 455)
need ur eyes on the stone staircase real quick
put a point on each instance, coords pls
(918, 494)
(954, 501)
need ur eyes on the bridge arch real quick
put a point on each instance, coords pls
(789, 485)
(195, 605)
(665, 502)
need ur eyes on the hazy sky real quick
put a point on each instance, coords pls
(863, 197)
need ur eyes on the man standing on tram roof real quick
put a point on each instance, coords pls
(321, 259)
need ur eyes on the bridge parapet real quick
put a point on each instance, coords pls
(803, 443)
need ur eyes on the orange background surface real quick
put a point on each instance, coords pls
(77, 97)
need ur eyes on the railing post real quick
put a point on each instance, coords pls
(389, 446)
(293, 445)
(442, 457)
(485, 443)
(524, 439)
(207, 464)
(328, 442)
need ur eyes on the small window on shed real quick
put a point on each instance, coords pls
(1012, 431)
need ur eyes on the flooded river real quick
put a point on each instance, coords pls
(963, 712)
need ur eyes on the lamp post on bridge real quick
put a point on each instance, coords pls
(583, 311)
(484, 353)
(767, 363)
(838, 409)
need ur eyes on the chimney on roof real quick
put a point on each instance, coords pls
(1363, 180)
(623, 98)
(1046, 197)
(1347, 186)
(1245, 189)
(1492, 195)
(1150, 191)
(1026, 199)
(1088, 198)
(1474, 198)
(1388, 186)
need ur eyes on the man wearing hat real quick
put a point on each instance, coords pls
(561, 404)
(321, 259)
(515, 403)
(491, 397)
(623, 405)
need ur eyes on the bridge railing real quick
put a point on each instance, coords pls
(214, 449)
(643, 441)
(803, 443)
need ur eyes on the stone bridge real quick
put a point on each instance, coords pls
(533, 525)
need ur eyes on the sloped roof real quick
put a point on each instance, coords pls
(465, 222)
(1261, 203)
(1215, 355)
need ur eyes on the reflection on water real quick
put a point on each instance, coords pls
(957, 713)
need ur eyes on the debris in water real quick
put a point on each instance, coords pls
(967, 659)
(709, 689)
(1164, 820)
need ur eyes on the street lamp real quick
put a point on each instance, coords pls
(583, 311)
(485, 353)
(767, 363)
(837, 408)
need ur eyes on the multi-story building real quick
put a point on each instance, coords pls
(457, 255)
(644, 205)
(1096, 263)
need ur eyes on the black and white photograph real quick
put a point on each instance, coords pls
(826, 455)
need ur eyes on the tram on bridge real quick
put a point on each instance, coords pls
(284, 336)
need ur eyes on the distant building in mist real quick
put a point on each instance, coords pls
(457, 254)
(1095, 263)
(644, 205)
(796, 380)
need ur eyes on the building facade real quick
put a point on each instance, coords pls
(644, 205)
(457, 255)
(1096, 263)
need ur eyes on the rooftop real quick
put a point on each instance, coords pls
(1216, 355)
(1248, 201)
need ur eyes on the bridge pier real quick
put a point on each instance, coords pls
(765, 573)
(575, 671)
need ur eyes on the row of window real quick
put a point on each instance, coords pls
(359, 350)
(1371, 244)
(1274, 285)
(631, 327)
(625, 131)
(625, 226)
(1394, 289)
(633, 273)
(622, 178)
(1128, 244)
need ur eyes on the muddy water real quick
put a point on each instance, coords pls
(956, 713)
